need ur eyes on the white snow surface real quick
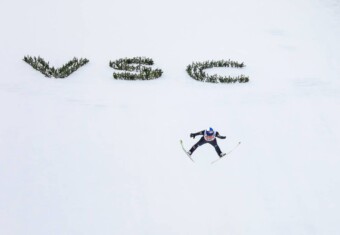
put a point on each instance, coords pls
(93, 155)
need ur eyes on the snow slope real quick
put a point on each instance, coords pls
(92, 155)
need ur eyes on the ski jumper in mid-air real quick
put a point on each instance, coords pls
(209, 136)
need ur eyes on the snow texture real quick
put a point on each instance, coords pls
(92, 155)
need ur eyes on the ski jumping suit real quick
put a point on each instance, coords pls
(207, 139)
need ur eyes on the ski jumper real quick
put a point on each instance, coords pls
(211, 139)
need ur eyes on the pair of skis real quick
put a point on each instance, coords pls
(226, 154)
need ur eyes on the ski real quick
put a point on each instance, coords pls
(227, 153)
(181, 141)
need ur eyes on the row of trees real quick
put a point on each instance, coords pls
(196, 71)
(138, 65)
(138, 68)
(64, 71)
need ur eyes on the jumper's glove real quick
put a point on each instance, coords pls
(222, 137)
(192, 135)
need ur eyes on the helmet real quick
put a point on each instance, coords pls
(209, 131)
